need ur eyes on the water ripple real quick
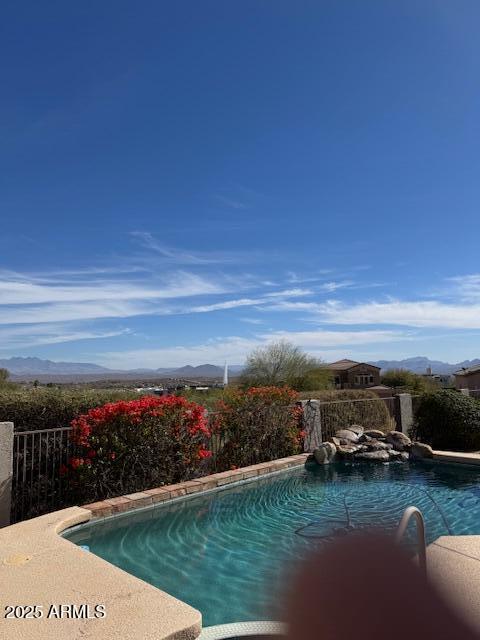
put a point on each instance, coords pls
(228, 553)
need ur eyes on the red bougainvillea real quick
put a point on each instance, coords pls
(128, 446)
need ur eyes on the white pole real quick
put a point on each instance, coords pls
(225, 375)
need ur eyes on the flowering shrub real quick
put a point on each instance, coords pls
(256, 425)
(128, 446)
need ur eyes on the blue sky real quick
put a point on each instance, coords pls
(183, 181)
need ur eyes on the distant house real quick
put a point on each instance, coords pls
(468, 378)
(349, 374)
(442, 379)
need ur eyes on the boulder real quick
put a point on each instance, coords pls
(374, 433)
(399, 440)
(399, 456)
(346, 434)
(395, 455)
(356, 428)
(374, 456)
(336, 441)
(419, 451)
(348, 450)
(376, 445)
(325, 453)
(365, 439)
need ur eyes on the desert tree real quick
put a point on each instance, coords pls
(283, 363)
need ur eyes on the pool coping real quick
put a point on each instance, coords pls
(38, 566)
(457, 457)
(151, 497)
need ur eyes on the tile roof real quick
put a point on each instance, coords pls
(465, 371)
(343, 365)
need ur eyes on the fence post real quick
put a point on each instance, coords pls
(311, 424)
(6, 471)
(404, 412)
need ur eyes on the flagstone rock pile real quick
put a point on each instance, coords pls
(357, 443)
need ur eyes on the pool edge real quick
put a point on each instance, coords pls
(168, 493)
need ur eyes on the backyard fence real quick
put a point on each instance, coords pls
(374, 413)
(38, 486)
(215, 442)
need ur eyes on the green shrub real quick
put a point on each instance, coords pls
(256, 425)
(448, 420)
(47, 408)
(408, 381)
(207, 399)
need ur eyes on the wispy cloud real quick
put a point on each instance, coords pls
(295, 278)
(423, 313)
(231, 202)
(256, 321)
(321, 339)
(178, 256)
(227, 304)
(249, 302)
(330, 287)
(467, 286)
(21, 291)
(12, 338)
(234, 349)
(289, 293)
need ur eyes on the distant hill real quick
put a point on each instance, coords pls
(47, 370)
(201, 371)
(33, 366)
(419, 364)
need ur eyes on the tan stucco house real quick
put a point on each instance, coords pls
(468, 378)
(348, 374)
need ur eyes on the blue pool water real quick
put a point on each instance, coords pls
(227, 553)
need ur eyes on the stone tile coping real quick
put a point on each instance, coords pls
(453, 564)
(457, 456)
(39, 567)
(141, 499)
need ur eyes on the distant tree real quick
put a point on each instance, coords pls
(405, 379)
(5, 382)
(283, 363)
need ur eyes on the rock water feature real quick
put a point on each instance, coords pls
(356, 443)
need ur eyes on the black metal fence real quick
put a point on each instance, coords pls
(376, 413)
(37, 485)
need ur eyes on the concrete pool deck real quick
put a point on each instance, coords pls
(39, 567)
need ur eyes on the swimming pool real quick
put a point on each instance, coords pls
(227, 553)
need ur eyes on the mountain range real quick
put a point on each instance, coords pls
(21, 368)
(26, 368)
(420, 364)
